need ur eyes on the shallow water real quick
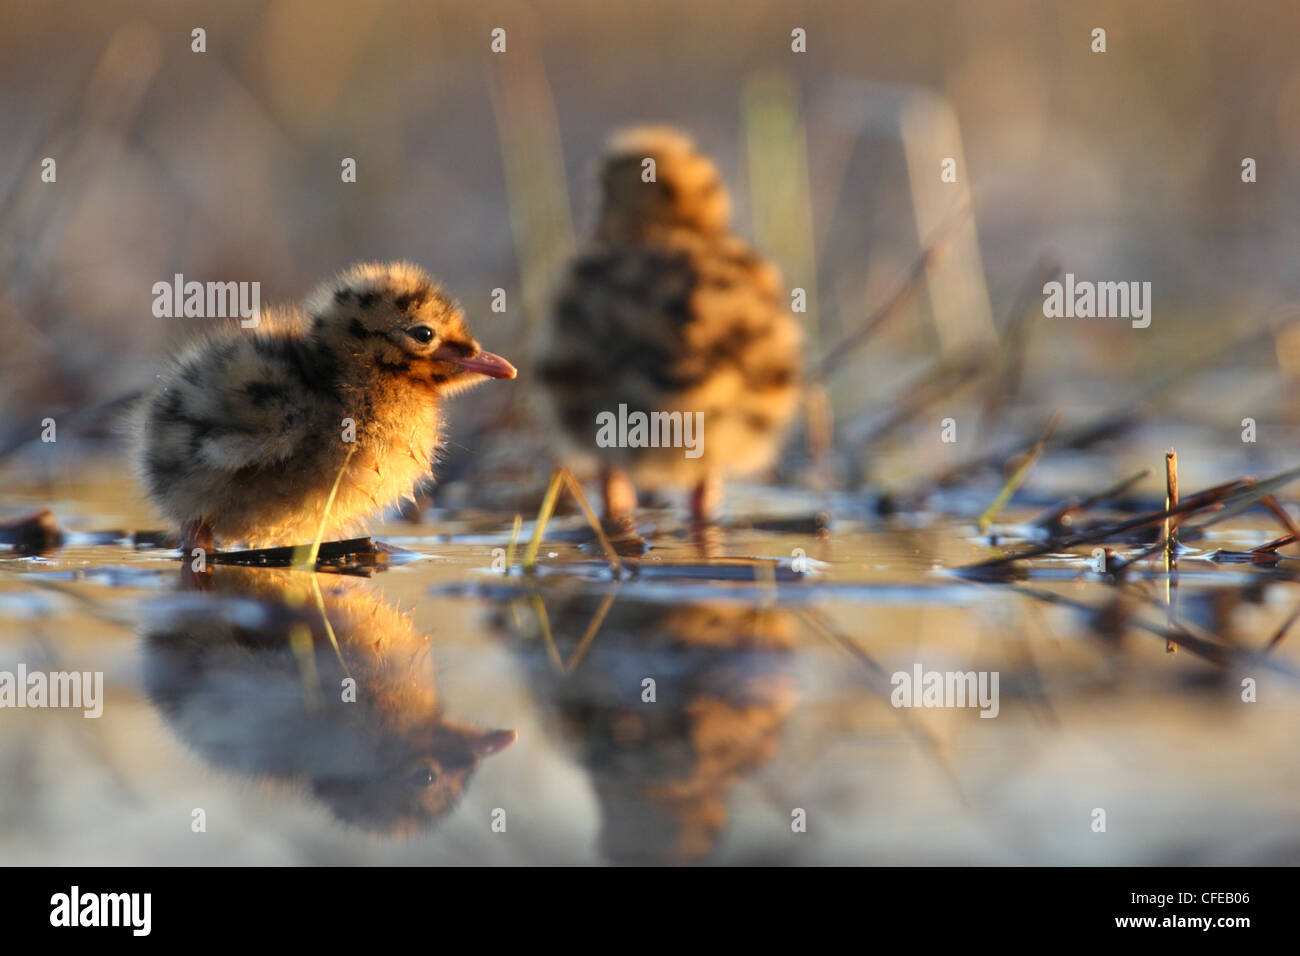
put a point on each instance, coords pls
(771, 652)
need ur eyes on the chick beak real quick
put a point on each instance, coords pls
(484, 363)
(493, 742)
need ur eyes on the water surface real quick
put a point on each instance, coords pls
(501, 719)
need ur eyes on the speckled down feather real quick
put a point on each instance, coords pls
(248, 429)
(665, 311)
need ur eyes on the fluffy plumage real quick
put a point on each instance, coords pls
(666, 311)
(246, 431)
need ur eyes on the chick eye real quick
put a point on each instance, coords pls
(421, 778)
(421, 333)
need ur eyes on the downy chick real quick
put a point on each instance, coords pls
(665, 311)
(245, 434)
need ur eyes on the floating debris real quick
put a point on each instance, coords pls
(36, 533)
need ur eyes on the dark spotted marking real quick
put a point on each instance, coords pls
(367, 299)
(315, 368)
(460, 348)
(570, 310)
(591, 268)
(342, 295)
(217, 357)
(359, 331)
(169, 404)
(167, 411)
(678, 306)
(261, 392)
(745, 260)
(201, 428)
(773, 379)
(157, 464)
(416, 297)
(393, 367)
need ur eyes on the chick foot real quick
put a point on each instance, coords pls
(619, 495)
(706, 498)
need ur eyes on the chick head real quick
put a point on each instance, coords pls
(687, 190)
(393, 320)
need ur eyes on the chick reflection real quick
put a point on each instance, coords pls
(662, 771)
(249, 678)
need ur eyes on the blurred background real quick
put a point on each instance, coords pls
(925, 303)
(226, 165)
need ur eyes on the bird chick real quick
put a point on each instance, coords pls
(246, 433)
(665, 311)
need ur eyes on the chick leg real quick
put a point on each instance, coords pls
(706, 497)
(197, 534)
(618, 493)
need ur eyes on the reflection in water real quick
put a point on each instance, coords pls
(249, 677)
(661, 771)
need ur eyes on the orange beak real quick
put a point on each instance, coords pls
(485, 363)
(493, 742)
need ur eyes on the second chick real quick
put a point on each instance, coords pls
(666, 311)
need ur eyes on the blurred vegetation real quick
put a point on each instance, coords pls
(226, 165)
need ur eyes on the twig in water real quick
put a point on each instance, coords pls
(1107, 427)
(1276, 543)
(514, 539)
(308, 562)
(592, 628)
(1209, 650)
(562, 477)
(304, 653)
(1271, 503)
(1053, 519)
(1246, 498)
(286, 556)
(1197, 502)
(329, 628)
(1114, 491)
(576, 490)
(542, 619)
(1171, 501)
(1018, 476)
(543, 516)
